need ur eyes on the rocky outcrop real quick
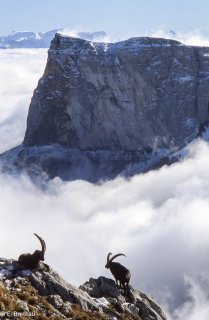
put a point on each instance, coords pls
(43, 294)
(103, 109)
(134, 302)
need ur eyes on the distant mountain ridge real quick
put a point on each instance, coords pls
(30, 39)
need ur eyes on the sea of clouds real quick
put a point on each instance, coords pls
(160, 220)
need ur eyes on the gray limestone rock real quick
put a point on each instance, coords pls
(44, 289)
(134, 302)
(50, 283)
(139, 94)
(107, 109)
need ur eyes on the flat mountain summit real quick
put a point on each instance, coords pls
(107, 109)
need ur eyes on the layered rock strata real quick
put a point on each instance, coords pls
(139, 94)
(107, 109)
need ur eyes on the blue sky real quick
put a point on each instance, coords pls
(116, 17)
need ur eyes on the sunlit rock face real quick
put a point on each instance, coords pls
(44, 291)
(139, 94)
(102, 110)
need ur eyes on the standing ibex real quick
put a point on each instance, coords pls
(121, 273)
(31, 261)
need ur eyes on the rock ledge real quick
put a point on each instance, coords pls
(44, 293)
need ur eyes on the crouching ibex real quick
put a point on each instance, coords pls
(31, 261)
(120, 273)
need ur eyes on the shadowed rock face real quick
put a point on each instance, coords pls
(139, 94)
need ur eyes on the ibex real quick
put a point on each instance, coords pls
(120, 273)
(31, 261)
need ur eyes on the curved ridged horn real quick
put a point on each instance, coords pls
(117, 255)
(108, 256)
(43, 244)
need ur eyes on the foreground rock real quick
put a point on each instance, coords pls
(115, 302)
(43, 294)
(101, 109)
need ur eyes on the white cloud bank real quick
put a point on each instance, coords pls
(193, 38)
(160, 220)
(20, 70)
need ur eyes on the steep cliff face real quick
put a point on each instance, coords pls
(140, 94)
(120, 108)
